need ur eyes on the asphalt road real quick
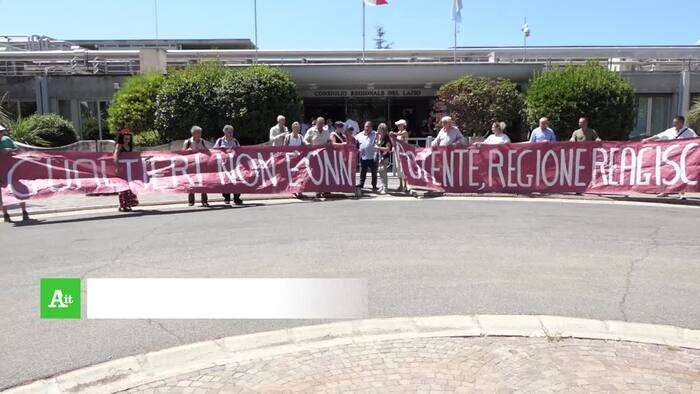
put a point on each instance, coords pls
(421, 257)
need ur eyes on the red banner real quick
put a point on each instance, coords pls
(584, 167)
(254, 169)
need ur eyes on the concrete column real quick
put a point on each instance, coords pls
(42, 95)
(153, 59)
(684, 93)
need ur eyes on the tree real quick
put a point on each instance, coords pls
(133, 104)
(565, 94)
(188, 97)
(693, 117)
(379, 41)
(251, 98)
(474, 103)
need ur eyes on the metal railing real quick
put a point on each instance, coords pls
(126, 62)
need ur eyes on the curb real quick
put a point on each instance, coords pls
(133, 371)
(690, 201)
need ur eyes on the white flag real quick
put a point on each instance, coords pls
(457, 11)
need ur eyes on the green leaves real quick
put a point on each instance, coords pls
(133, 105)
(44, 130)
(693, 117)
(565, 94)
(474, 103)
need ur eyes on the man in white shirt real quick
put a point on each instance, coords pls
(449, 134)
(279, 131)
(677, 132)
(365, 142)
(319, 134)
(351, 123)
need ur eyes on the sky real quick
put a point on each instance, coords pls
(337, 24)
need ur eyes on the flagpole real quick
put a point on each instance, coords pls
(255, 12)
(155, 8)
(455, 47)
(363, 31)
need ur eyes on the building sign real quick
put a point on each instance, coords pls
(359, 93)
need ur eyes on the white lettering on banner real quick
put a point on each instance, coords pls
(290, 170)
(676, 169)
(347, 168)
(197, 168)
(309, 171)
(496, 166)
(182, 170)
(638, 168)
(268, 168)
(579, 168)
(10, 178)
(460, 166)
(473, 169)
(529, 177)
(91, 163)
(103, 169)
(627, 158)
(684, 154)
(241, 176)
(329, 167)
(599, 165)
(49, 174)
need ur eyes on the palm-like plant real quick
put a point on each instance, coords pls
(21, 130)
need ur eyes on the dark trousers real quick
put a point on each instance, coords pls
(190, 198)
(368, 165)
(227, 197)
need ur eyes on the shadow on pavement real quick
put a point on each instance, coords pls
(137, 213)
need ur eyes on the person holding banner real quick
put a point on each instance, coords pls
(294, 138)
(196, 144)
(497, 136)
(543, 133)
(124, 143)
(366, 142)
(339, 136)
(7, 143)
(449, 134)
(384, 148)
(228, 141)
(401, 134)
(584, 133)
(677, 132)
(279, 131)
(318, 134)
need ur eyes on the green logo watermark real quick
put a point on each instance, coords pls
(60, 298)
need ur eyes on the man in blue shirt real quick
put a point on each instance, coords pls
(365, 143)
(543, 133)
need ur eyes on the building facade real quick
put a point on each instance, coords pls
(78, 78)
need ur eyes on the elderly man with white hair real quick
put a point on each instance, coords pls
(196, 144)
(449, 134)
(279, 131)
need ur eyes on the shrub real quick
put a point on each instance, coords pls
(567, 93)
(693, 117)
(474, 103)
(22, 131)
(188, 97)
(149, 138)
(251, 99)
(133, 105)
(52, 128)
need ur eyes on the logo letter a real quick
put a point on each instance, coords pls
(57, 298)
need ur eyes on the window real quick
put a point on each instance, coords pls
(653, 115)
(64, 109)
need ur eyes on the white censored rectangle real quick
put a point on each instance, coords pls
(226, 298)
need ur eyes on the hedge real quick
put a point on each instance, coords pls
(565, 94)
(52, 128)
(133, 105)
(475, 103)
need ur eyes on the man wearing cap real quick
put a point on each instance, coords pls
(7, 143)
(401, 135)
(449, 134)
(279, 131)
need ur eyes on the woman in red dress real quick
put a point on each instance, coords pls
(127, 198)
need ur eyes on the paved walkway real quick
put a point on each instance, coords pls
(449, 364)
(77, 202)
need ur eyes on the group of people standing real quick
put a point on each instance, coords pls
(375, 147)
